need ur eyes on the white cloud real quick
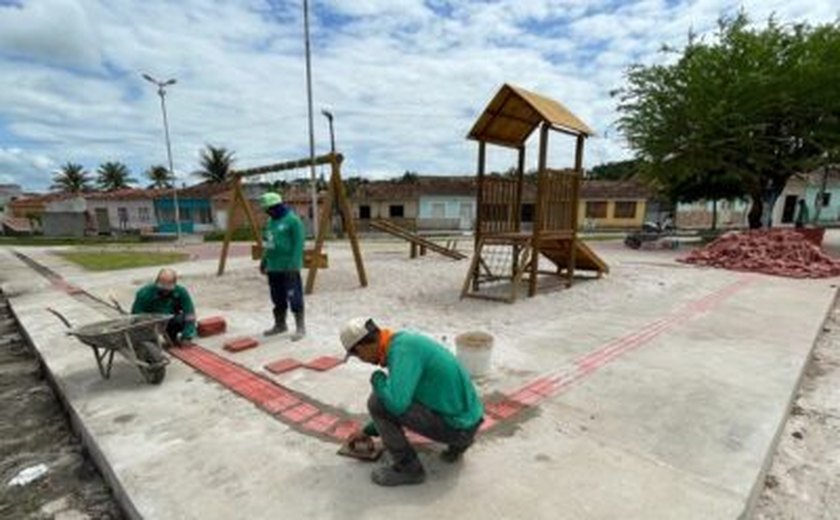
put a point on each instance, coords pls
(405, 80)
(56, 32)
(20, 167)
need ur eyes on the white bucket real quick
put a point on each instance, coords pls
(473, 350)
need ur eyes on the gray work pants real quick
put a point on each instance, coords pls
(419, 419)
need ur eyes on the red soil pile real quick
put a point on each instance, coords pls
(778, 252)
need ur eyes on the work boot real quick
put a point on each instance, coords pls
(279, 324)
(399, 475)
(300, 327)
(453, 453)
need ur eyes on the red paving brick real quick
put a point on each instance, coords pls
(416, 438)
(240, 344)
(211, 326)
(300, 413)
(526, 397)
(320, 423)
(280, 403)
(324, 363)
(504, 409)
(343, 429)
(283, 365)
(488, 423)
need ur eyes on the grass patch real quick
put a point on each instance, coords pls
(113, 260)
(67, 241)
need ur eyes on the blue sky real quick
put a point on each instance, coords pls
(405, 79)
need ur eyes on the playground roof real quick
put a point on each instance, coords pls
(514, 113)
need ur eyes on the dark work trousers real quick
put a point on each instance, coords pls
(286, 291)
(175, 326)
(418, 419)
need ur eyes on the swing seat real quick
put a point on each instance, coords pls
(308, 256)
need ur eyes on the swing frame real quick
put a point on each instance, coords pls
(336, 195)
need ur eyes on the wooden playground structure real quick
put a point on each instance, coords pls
(506, 254)
(417, 243)
(315, 258)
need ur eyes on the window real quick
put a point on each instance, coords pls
(527, 214)
(364, 212)
(143, 214)
(203, 215)
(625, 209)
(122, 215)
(826, 199)
(596, 209)
(396, 211)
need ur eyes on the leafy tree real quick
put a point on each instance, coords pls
(159, 176)
(113, 175)
(737, 115)
(71, 178)
(216, 164)
(615, 171)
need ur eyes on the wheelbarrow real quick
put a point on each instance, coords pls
(140, 338)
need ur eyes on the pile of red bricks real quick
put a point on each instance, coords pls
(775, 251)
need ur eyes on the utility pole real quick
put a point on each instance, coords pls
(161, 85)
(313, 179)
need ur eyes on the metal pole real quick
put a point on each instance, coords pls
(162, 93)
(311, 123)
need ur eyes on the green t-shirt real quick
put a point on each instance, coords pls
(283, 241)
(147, 301)
(423, 371)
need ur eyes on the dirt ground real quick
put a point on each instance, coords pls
(804, 480)
(34, 430)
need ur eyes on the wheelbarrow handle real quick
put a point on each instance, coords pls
(61, 317)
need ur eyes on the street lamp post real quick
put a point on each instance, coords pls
(311, 123)
(161, 85)
(329, 117)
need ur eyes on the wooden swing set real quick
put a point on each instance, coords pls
(504, 252)
(315, 258)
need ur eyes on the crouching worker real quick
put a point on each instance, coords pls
(165, 296)
(425, 390)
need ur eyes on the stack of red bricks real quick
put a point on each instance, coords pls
(775, 251)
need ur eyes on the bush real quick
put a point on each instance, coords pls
(239, 235)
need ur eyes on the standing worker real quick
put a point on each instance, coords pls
(283, 239)
(801, 214)
(165, 296)
(425, 390)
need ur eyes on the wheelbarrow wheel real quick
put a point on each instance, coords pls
(633, 242)
(152, 354)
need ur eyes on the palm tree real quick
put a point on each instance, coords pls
(215, 164)
(159, 176)
(113, 175)
(71, 178)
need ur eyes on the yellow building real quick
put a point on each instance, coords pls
(612, 205)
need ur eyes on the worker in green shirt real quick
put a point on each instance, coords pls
(425, 390)
(165, 296)
(283, 239)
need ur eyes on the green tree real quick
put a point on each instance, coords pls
(615, 171)
(159, 176)
(113, 175)
(71, 178)
(216, 164)
(738, 114)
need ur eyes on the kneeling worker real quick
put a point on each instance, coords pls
(165, 296)
(426, 390)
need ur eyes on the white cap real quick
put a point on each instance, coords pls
(354, 331)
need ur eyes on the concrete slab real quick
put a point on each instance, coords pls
(679, 426)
